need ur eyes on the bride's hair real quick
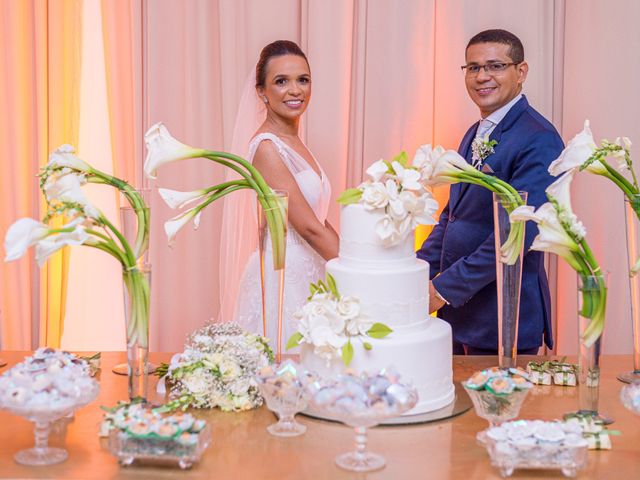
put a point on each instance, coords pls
(275, 49)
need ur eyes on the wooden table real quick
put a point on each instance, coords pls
(242, 448)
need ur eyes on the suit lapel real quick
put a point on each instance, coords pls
(464, 150)
(465, 146)
(458, 189)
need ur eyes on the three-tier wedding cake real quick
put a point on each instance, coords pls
(392, 287)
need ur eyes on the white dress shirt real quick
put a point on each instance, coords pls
(487, 124)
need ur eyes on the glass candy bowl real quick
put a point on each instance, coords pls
(497, 395)
(363, 402)
(46, 387)
(630, 396)
(535, 444)
(138, 433)
(284, 388)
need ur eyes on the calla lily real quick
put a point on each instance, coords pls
(580, 148)
(48, 246)
(177, 199)
(560, 192)
(377, 170)
(163, 148)
(552, 237)
(445, 168)
(67, 188)
(21, 235)
(173, 226)
(64, 156)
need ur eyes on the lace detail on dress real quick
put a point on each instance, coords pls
(302, 265)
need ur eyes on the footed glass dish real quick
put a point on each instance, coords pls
(630, 396)
(284, 388)
(362, 402)
(154, 449)
(508, 457)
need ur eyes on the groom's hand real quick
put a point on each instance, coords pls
(436, 302)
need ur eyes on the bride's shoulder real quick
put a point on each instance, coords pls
(270, 148)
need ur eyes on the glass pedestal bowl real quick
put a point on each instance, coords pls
(362, 402)
(284, 388)
(496, 409)
(630, 396)
(43, 416)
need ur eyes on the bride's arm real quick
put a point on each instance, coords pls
(322, 238)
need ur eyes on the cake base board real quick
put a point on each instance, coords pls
(460, 405)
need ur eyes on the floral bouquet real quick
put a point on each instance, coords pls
(329, 322)
(72, 220)
(394, 188)
(439, 167)
(217, 369)
(582, 153)
(561, 232)
(164, 149)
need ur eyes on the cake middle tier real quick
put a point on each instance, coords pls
(394, 295)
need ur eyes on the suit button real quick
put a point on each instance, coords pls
(452, 219)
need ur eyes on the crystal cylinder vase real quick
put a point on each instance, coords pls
(137, 293)
(592, 302)
(632, 207)
(509, 241)
(272, 240)
(129, 221)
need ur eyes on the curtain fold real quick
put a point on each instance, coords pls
(38, 87)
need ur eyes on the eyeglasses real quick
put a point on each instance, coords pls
(495, 68)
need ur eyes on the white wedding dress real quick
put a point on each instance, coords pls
(302, 265)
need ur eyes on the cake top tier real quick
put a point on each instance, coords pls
(360, 244)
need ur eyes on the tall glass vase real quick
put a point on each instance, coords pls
(272, 261)
(132, 233)
(592, 300)
(632, 207)
(509, 240)
(137, 294)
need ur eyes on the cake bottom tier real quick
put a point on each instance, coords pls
(420, 353)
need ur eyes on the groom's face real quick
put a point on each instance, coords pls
(490, 91)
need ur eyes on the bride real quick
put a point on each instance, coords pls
(279, 98)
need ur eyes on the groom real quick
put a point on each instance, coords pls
(460, 249)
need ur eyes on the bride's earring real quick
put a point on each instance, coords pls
(264, 99)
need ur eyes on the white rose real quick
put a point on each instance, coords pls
(377, 170)
(324, 335)
(359, 325)
(374, 196)
(349, 307)
(407, 177)
(386, 230)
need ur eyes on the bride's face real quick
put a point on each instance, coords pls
(287, 86)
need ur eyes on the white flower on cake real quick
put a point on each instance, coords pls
(397, 189)
(329, 322)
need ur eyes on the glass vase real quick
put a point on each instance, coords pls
(509, 241)
(137, 293)
(632, 207)
(272, 218)
(134, 236)
(592, 300)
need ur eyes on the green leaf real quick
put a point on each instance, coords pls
(349, 196)
(390, 169)
(379, 330)
(402, 158)
(331, 282)
(347, 353)
(367, 345)
(294, 340)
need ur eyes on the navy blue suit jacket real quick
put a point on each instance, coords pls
(461, 249)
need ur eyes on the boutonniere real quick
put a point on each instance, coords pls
(481, 148)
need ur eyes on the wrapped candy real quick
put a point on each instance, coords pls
(538, 374)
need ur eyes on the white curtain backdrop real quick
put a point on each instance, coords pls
(386, 77)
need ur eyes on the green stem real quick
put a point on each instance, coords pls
(613, 175)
